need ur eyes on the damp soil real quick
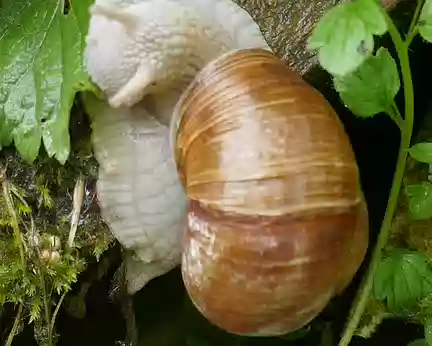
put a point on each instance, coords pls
(163, 314)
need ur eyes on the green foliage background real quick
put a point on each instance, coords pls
(41, 69)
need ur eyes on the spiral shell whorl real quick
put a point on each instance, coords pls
(246, 133)
(277, 219)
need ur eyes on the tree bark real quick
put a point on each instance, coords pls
(287, 24)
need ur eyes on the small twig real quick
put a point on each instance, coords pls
(90, 203)
(411, 36)
(15, 326)
(54, 316)
(47, 303)
(396, 116)
(15, 192)
(78, 198)
(413, 29)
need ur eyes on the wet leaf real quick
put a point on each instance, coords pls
(402, 279)
(344, 36)
(419, 200)
(422, 152)
(41, 70)
(425, 21)
(372, 88)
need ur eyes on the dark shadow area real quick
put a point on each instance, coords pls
(103, 323)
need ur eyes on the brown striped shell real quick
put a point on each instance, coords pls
(278, 224)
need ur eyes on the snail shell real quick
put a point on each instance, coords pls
(277, 222)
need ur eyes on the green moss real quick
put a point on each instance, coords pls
(37, 266)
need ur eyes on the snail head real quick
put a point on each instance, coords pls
(139, 48)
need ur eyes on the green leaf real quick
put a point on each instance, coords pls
(425, 21)
(36, 307)
(419, 200)
(402, 279)
(422, 152)
(40, 71)
(345, 35)
(372, 88)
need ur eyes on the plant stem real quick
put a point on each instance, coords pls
(395, 115)
(47, 305)
(367, 284)
(15, 326)
(54, 316)
(413, 26)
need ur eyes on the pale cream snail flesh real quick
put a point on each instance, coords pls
(142, 54)
(138, 189)
(142, 47)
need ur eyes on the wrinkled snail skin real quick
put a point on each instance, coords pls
(146, 47)
(146, 52)
(138, 189)
(277, 222)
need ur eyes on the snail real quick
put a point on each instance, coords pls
(277, 221)
(138, 190)
(268, 219)
(143, 47)
(142, 54)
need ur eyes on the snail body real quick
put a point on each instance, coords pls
(145, 214)
(142, 47)
(142, 54)
(277, 222)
